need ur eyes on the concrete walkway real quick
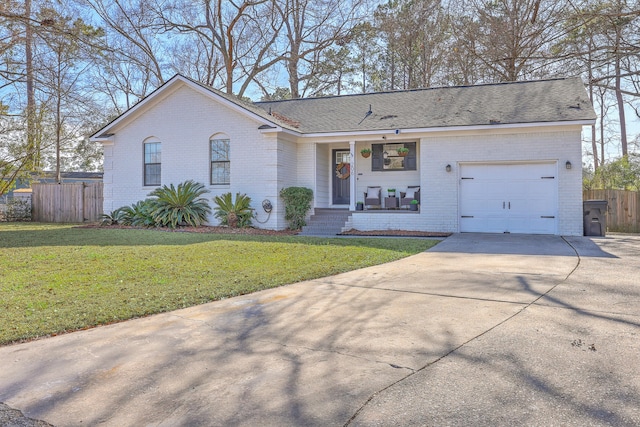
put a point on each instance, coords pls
(480, 330)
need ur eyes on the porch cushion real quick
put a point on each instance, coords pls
(411, 191)
(373, 192)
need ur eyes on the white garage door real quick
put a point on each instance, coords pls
(509, 198)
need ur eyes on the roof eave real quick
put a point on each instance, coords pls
(584, 122)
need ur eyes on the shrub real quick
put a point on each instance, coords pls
(297, 202)
(178, 206)
(140, 214)
(120, 216)
(234, 214)
(18, 210)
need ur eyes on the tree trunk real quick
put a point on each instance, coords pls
(294, 79)
(594, 143)
(58, 115)
(621, 115)
(32, 149)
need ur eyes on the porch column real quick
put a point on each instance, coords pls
(354, 175)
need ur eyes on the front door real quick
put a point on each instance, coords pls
(341, 177)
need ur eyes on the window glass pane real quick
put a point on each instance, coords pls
(219, 150)
(220, 172)
(152, 174)
(342, 157)
(152, 152)
(387, 157)
(152, 163)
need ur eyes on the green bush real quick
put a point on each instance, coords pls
(17, 210)
(140, 214)
(119, 216)
(179, 206)
(297, 202)
(234, 214)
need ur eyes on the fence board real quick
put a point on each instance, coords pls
(67, 202)
(622, 210)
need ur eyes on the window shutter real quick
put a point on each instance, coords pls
(411, 160)
(376, 157)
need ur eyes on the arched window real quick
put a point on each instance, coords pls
(220, 160)
(152, 162)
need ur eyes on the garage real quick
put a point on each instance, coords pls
(509, 198)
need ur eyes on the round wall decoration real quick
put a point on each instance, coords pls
(343, 170)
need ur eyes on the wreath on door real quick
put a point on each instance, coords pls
(343, 170)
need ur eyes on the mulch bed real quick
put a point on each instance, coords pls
(264, 232)
(205, 229)
(394, 233)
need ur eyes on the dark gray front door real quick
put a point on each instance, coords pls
(341, 177)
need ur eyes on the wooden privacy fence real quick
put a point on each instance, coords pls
(622, 209)
(69, 202)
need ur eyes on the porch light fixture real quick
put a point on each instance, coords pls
(385, 155)
(567, 165)
(448, 168)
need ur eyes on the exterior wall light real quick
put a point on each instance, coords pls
(448, 168)
(567, 165)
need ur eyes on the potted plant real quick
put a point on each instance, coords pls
(402, 151)
(413, 206)
(359, 206)
(366, 152)
(391, 192)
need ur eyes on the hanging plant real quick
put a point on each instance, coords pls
(402, 151)
(366, 152)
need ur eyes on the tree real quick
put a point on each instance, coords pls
(620, 174)
(602, 39)
(415, 34)
(237, 41)
(311, 27)
(134, 58)
(62, 66)
(365, 53)
(511, 39)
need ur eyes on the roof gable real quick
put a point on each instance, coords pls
(259, 115)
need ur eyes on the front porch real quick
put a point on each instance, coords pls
(368, 176)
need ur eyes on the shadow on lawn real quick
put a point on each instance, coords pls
(81, 236)
(331, 353)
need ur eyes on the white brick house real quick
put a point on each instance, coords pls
(490, 158)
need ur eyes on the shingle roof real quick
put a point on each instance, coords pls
(543, 101)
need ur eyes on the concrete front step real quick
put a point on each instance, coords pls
(325, 222)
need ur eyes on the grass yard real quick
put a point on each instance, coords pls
(58, 278)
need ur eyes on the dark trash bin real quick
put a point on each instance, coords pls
(595, 217)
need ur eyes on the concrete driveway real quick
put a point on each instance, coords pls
(480, 330)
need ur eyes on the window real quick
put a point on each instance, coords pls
(152, 163)
(220, 163)
(385, 157)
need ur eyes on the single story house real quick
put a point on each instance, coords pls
(497, 158)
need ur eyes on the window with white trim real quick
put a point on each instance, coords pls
(152, 163)
(220, 161)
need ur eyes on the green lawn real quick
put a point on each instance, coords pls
(57, 278)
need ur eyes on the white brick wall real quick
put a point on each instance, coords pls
(439, 191)
(184, 121)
